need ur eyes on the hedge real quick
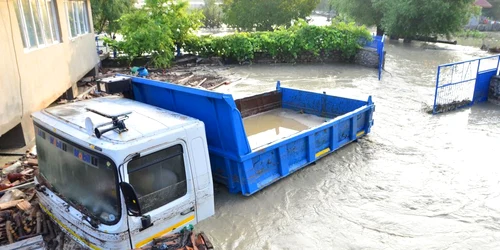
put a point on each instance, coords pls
(283, 44)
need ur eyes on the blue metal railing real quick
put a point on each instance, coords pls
(380, 52)
(378, 43)
(463, 84)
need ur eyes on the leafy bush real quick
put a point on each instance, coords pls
(284, 44)
(156, 29)
(470, 33)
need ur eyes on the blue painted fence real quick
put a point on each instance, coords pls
(464, 84)
(378, 43)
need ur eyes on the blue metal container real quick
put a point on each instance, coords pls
(233, 161)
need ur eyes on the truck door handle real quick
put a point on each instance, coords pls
(187, 211)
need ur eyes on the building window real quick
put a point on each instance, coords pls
(158, 178)
(38, 22)
(78, 19)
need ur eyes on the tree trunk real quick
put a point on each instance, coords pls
(380, 31)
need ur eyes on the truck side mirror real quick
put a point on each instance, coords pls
(131, 200)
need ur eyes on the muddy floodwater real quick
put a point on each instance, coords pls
(267, 127)
(416, 182)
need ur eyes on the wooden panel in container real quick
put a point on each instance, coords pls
(259, 103)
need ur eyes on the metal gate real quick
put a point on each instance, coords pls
(463, 84)
(381, 59)
(378, 43)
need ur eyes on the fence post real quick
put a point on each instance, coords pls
(436, 91)
(498, 63)
(475, 83)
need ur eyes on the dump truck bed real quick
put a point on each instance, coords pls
(260, 139)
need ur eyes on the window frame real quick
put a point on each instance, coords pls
(75, 7)
(50, 7)
(187, 172)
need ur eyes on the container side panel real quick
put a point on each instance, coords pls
(297, 153)
(322, 142)
(343, 131)
(340, 106)
(223, 123)
(362, 121)
(220, 171)
(319, 104)
(264, 170)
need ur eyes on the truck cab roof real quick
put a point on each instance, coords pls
(143, 121)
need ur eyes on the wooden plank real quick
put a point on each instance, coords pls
(24, 205)
(259, 103)
(202, 81)
(24, 185)
(216, 86)
(27, 171)
(10, 204)
(35, 242)
(33, 162)
(185, 80)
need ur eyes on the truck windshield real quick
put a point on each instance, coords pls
(86, 180)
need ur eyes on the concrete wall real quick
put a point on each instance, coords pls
(33, 79)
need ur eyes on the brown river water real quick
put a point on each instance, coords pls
(267, 127)
(417, 181)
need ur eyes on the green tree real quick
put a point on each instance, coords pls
(105, 14)
(213, 14)
(410, 18)
(363, 11)
(156, 29)
(323, 5)
(265, 14)
(493, 12)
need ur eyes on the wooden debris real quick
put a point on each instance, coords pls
(32, 162)
(27, 171)
(10, 204)
(14, 177)
(24, 205)
(9, 230)
(218, 85)
(206, 241)
(202, 81)
(86, 93)
(183, 80)
(17, 211)
(185, 240)
(17, 163)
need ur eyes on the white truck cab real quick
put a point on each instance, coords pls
(111, 189)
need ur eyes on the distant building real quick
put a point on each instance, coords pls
(477, 20)
(483, 4)
(46, 46)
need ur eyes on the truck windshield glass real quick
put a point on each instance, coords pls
(83, 179)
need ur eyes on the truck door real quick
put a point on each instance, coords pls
(164, 185)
